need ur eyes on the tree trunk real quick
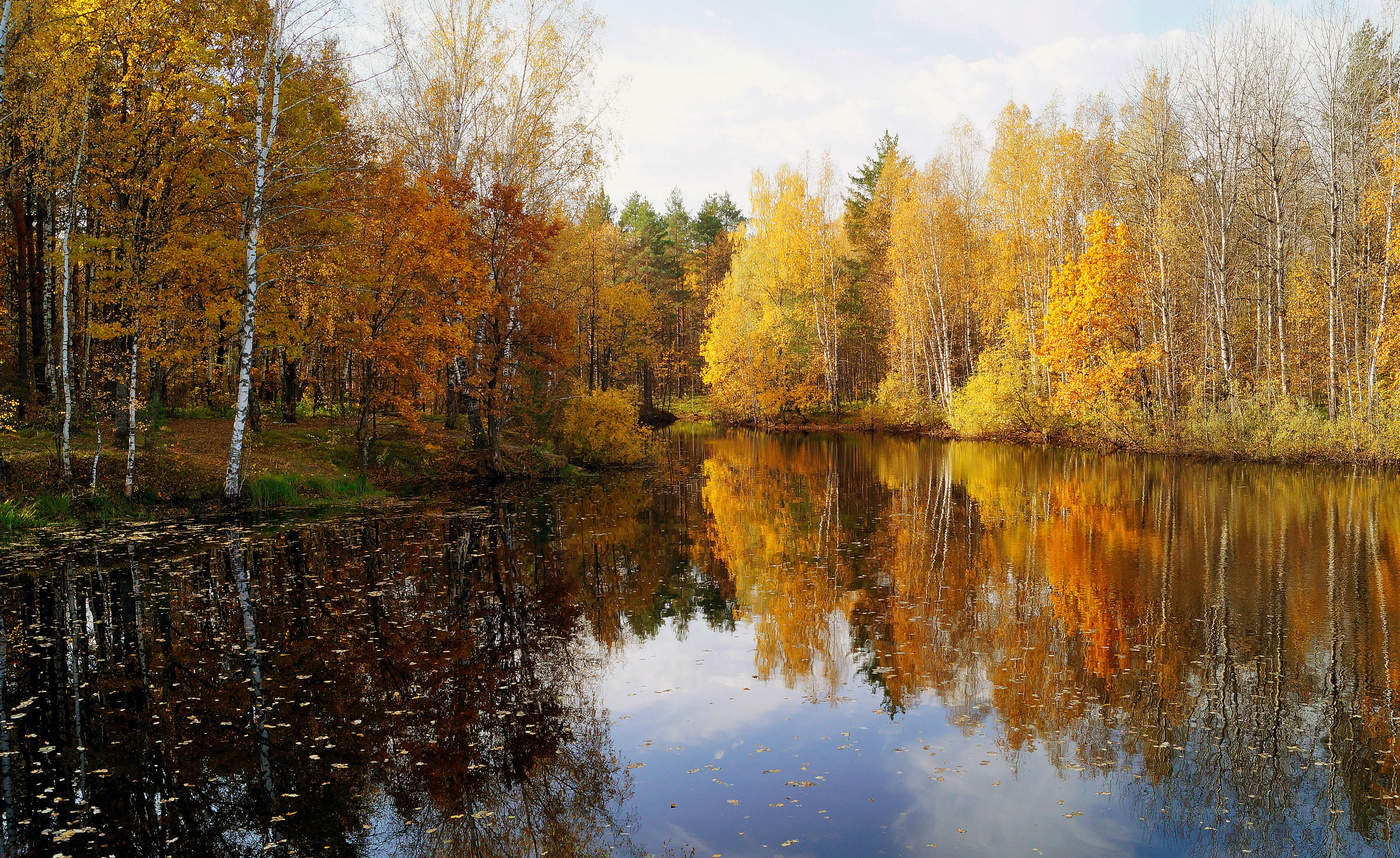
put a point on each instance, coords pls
(291, 388)
(131, 414)
(364, 429)
(96, 457)
(19, 220)
(37, 344)
(269, 106)
(452, 404)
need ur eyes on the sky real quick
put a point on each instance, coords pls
(705, 91)
(710, 90)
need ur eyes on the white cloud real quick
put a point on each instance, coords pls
(703, 106)
(1013, 24)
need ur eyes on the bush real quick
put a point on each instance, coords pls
(153, 415)
(1255, 427)
(999, 398)
(602, 429)
(899, 404)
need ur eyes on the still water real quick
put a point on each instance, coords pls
(819, 646)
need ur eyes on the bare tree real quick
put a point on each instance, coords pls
(1214, 92)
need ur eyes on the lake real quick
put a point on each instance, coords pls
(769, 645)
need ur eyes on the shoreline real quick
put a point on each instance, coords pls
(300, 467)
(1168, 448)
(308, 467)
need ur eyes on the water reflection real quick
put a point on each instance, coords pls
(794, 646)
(407, 685)
(1218, 635)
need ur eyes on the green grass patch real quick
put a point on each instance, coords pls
(107, 508)
(51, 508)
(272, 491)
(689, 406)
(44, 509)
(201, 412)
(16, 516)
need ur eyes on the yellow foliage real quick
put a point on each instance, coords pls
(762, 346)
(900, 404)
(9, 412)
(602, 429)
(1088, 338)
(1000, 397)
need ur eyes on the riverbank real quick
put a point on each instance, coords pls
(1250, 433)
(314, 463)
(180, 462)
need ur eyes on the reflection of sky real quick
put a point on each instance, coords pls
(681, 708)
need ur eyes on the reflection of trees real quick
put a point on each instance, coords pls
(631, 542)
(413, 685)
(1213, 641)
(1215, 637)
(776, 520)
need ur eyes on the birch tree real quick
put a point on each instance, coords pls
(1214, 95)
(292, 29)
(65, 443)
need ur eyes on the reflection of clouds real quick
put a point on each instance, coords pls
(706, 673)
(1021, 813)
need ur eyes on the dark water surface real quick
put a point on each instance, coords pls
(775, 646)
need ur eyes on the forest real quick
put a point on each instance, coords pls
(218, 214)
(1203, 265)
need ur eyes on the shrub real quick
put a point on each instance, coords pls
(9, 412)
(899, 404)
(1000, 397)
(1256, 427)
(602, 429)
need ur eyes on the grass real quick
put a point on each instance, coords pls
(200, 412)
(48, 508)
(52, 507)
(269, 491)
(690, 407)
(273, 491)
(16, 516)
(182, 456)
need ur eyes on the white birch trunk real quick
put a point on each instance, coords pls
(66, 442)
(4, 44)
(269, 107)
(49, 377)
(131, 413)
(66, 463)
(96, 457)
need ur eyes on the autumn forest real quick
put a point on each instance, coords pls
(480, 429)
(217, 212)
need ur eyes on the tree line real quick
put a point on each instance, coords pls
(1213, 252)
(216, 208)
